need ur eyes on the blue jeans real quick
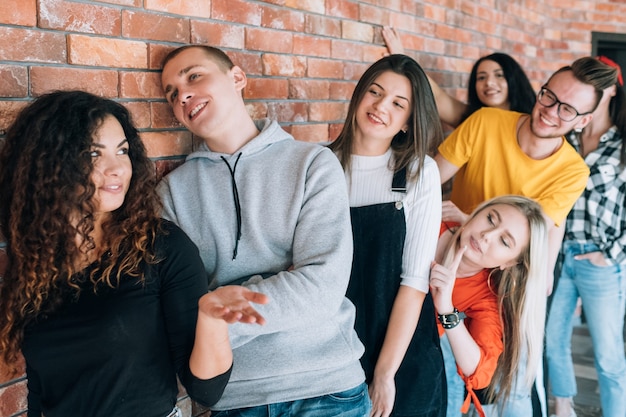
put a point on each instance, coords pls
(456, 386)
(354, 402)
(519, 403)
(602, 291)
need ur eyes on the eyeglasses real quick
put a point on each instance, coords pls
(566, 112)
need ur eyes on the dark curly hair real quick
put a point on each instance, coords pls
(47, 207)
(521, 94)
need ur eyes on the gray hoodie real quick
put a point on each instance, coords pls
(275, 216)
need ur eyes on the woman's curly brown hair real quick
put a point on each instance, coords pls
(45, 178)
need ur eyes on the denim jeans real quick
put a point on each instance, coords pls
(519, 403)
(456, 386)
(602, 290)
(354, 402)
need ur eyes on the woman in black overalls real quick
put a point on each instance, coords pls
(395, 198)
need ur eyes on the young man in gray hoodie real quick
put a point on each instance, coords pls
(272, 214)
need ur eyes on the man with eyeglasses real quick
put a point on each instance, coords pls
(496, 152)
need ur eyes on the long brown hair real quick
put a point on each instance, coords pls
(521, 292)
(424, 131)
(45, 178)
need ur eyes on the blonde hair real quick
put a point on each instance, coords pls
(521, 292)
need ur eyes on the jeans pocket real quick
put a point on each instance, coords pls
(354, 394)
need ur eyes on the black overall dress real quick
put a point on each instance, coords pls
(379, 233)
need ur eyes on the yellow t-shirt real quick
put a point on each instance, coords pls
(492, 164)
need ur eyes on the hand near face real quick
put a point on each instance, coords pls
(232, 303)
(451, 213)
(442, 283)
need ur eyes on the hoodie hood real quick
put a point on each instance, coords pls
(270, 133)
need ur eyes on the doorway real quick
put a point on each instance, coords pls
(611, 45)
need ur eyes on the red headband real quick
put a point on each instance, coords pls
(611, 63)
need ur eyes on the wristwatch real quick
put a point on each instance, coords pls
(450, 321)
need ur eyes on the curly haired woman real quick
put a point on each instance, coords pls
(107, 302)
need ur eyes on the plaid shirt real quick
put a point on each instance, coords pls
(599, 214)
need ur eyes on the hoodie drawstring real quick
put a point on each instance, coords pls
(236, 198)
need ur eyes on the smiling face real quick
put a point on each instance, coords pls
(545, 121)
(203, 94)
(492, 88)
(383, 111)
(495, 237)
(112, 169)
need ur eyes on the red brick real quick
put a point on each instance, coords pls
(342, 8)
(18, 12)
(257, 109)
(140, 112)
(198, 8)
(406, 22)
(79, 17)
(140, 85)
(13, 399)
(156, 54)
(354, 70)
(287, 111)
(258, 39)
(322, 25)
(308, 89)
(165, 166)
(434, 12)
(334, 130)
(314, 6)
(162, 116)
(266, 88)
(155, 27)
(323, 68)
(160, 144)
(101, 82)
(31, 46)
(134, 3)
(282, 19)
(8, 111)
(342, 90)
(328, 111)
(357, 31)
(106, 52)
(372, 53)
(373, 14)
(348, 51)
(221, 35)
(13, 81)
(310, 132)
(251, 63)
(311, 45)
(283, 65)
(239, 11)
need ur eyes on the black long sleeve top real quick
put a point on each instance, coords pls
(116, 352)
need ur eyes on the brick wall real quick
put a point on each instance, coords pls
(303, 58)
